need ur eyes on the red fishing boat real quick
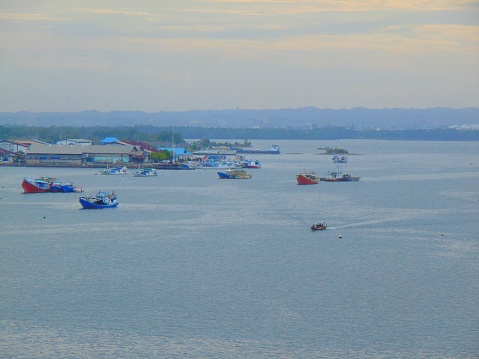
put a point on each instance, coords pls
(307, 177)
(33, 184)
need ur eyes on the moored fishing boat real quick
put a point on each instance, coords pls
(100, 200)
(235, 173)
(339, 177)
(145, 172)
(34, 184)
(307, 177)
(56, 186)
(120, 170)
(251, 164)
(70, 187)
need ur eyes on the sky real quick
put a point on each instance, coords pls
(180, 55)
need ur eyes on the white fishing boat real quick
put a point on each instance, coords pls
(119, 170)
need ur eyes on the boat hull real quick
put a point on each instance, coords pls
(234, 174)
(35, 187)
(67, 187)
(305, 179)
(339, 179)
(86, 204)
(223, 175)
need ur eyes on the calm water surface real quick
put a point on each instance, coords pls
(192, 266)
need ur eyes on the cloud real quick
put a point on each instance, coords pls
(30, 17)
(112, 12)
(255, 43)
(300, 6)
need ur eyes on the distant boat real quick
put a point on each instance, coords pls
(339, 159)
(120, 170)
(214, 163)
(307, 177)
(225, 151)
(251, 164)
(274, 150)
(339, 177)
(145, 172)
(173, 166)
(319, 226)
(99, 201)
(234, 174)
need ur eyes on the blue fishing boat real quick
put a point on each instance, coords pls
(99, 201)
(234, 174)
(56, 186)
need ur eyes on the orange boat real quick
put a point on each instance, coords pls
(307, 177)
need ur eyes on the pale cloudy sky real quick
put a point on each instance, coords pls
(176, 55)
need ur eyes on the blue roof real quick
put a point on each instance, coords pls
(179, 151)
(110, 140)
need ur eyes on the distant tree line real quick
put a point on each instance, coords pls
(96, 134)
(163, 136)
(328, 133)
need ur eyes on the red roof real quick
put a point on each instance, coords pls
(145, 146)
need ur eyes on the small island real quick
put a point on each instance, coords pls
(333, 151)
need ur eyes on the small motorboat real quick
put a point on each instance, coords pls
(99, 201)
(319, 226)
(339, 159)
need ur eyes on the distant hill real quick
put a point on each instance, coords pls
(307, 117)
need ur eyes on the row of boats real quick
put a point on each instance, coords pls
(34, 184)
(223, 161)
(232, 151)
(122, 170)
(207, 162)
(310, 177)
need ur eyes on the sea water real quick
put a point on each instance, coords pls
(193, 266)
